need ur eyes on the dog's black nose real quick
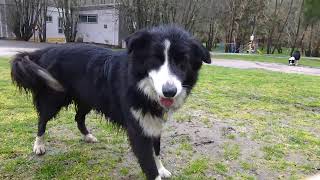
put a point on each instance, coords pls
(169, 90)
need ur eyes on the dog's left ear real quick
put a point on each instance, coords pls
(138, 40)
(201, 51)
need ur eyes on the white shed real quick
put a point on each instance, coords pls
(54, 26)
(99, 24)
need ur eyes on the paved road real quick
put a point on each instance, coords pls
(267, 66)
(10, 47)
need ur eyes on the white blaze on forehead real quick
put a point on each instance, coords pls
(164, 75)
(167, 45)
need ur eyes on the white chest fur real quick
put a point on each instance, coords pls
(151, 125)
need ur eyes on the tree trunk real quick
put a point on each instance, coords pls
(298, 29)
(308, 52)
(282, 29)
(68, 12)
(43, 22)
(139, 14)
(24, 18)
(228, 46)
(271, 31)
(269, 43)
(209, 44)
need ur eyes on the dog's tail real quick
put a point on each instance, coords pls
(28, 75)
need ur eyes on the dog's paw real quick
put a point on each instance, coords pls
(39, 148)
(164, 173)
(158, 178)
(89, 138)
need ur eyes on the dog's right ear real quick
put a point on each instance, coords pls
(201, 52)
(137, 41)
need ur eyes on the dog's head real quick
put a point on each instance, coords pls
(165, 62)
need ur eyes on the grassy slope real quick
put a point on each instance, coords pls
(280, 112)
(269, 58)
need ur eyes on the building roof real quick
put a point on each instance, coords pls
(7, 2)
(85, 5)
(97, 7)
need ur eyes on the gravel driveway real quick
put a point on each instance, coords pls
(10, 47)
(267, 66)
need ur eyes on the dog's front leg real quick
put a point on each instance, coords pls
(142, 147)
(163, 172)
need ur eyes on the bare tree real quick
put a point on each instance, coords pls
(298, 28)
(146, 13)
(273, 21)
(42, 22)
(240, 22)
(23, 18)
(208, 22)
(69, 14)
(277, 44)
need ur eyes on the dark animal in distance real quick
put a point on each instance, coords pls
(294, 59)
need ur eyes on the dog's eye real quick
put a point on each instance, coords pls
(181, 65)
(181, 57)
(158, 56)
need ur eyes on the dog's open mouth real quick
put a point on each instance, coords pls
(166, 102)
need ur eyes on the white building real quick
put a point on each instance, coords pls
(99, 24)
(54, 26)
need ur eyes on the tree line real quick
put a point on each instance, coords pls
(275, 24)
(28, 17)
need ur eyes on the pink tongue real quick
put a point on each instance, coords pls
(167, 102)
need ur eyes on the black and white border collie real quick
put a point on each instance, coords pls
(294, 59)
(136, 88)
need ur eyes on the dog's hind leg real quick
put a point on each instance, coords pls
(163, 172)
(45, 114)
(48, 104)
(80, 118)
(39, 143)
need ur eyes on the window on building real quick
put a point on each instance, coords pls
(49, 19)
(60, 25)
(83, 18)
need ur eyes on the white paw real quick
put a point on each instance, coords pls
(158, 178)
(39, 147)
(164, 173)
(89, 138)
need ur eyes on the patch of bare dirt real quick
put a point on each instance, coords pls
(207, 140)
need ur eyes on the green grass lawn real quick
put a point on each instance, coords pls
(265, 125)
(304, 61)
